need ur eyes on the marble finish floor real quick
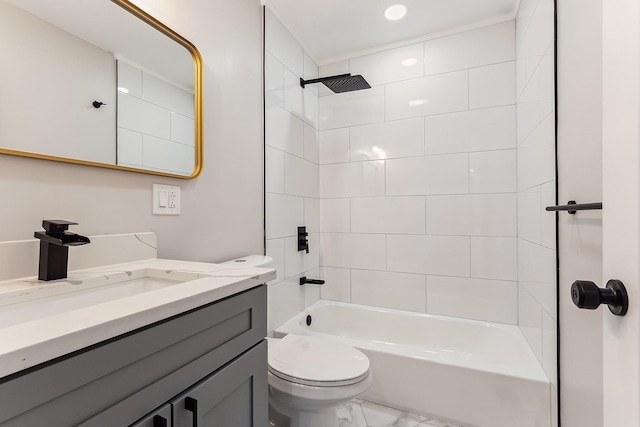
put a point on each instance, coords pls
(359, 413)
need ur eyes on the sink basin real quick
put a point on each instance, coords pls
(43, 300)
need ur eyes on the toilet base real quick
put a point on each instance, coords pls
(322, 417)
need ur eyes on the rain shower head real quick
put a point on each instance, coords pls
(340, 83)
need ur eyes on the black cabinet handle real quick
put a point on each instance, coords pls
(588, 295)
(159, 421)
(191, 405)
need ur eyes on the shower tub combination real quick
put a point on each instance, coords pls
(473, 373)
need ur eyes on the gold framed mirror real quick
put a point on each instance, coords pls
(99, 83)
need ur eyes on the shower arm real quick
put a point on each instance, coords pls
(304, 82)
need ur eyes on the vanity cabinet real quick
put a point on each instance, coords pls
(205, 365)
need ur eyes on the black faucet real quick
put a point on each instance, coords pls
(304, 280)
(54, 248)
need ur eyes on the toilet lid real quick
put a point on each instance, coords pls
(317, 361)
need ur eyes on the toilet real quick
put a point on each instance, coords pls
(309, 377)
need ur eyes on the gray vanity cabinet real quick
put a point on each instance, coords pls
(214, 356)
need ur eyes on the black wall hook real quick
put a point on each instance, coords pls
(98, 104)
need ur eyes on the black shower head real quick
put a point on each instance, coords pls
(341, 83)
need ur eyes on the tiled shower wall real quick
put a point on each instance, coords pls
(291, 125)
(418, 181)
(537, 314)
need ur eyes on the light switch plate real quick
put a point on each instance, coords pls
(170, 198)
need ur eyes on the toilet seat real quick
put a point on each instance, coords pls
(317, 362)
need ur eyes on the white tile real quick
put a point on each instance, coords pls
(300, 177)
(537, 100)
(492, 172)
(312, 292)
(297, 262)
(494, 258)
(426, 96)
(311, 144)
(129, 79)
(333, 69)
(310, 71)
(472, 215)
(390, 290)
(478, 130)
(350, 415)
(530, 215)
(285, 300)
(311, 108)
(334, 146)
(293, 94)
(537, 273)
(167, 95)
(284, 215)
(484, 46)
(440, 255)
(487, 300)
(395, 215)
(335, 215)
(275, 249)
(530, 321)
(523, 20)
(550, 347)
(282, 45)
(359, 179)
(141, 116)
(539, 33)
(363, 251)
(273, 80)
(182, 129)
(492, 86)
(312, 214)
(536, 156)
(448, 174)
(389, 66)
(161, 154)
(353, 108)
(383, 416)
(274, 173)
(284, 131)
(129, 147)
(403, 138)
(337, 284)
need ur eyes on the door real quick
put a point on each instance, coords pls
(621, 211)
(235, 395)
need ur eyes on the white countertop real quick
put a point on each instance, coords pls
(29, 343)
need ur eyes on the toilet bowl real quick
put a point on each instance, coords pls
(309, 377)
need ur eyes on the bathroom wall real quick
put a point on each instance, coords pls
(537, 314)
(418, 178)
(291, 139)
(155, 122)
(32, 50)
(222, 210)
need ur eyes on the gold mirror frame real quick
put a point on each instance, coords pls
(198, 104)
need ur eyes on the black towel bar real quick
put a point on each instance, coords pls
(572, 207)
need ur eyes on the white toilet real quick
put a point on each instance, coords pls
(309, 377)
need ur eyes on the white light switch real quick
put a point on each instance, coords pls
(166, 199)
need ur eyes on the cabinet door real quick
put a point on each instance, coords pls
(234, 396)
(161, 417)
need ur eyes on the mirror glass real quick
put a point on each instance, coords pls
(101, 83)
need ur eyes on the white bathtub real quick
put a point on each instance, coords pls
(476, 374)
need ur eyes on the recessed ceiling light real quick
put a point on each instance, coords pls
(409, 62)
(395, 12)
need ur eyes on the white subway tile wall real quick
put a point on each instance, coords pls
(292, 172)
(155, 122)
(536, 183)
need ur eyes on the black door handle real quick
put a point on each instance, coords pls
(588, 295)
(191, 405)
(159, 421)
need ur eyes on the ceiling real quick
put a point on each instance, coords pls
(334, 29)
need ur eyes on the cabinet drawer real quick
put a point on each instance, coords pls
(117, 382)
